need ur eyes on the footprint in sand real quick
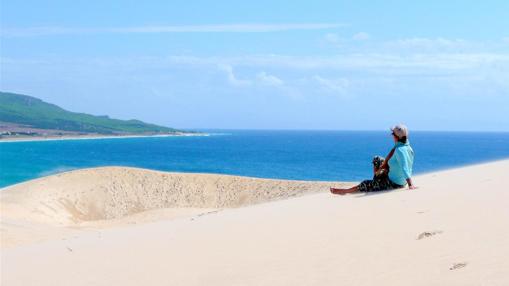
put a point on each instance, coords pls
(207, 213)
(428, 234)
(458, 265)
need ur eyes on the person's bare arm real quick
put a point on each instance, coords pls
(386, 161)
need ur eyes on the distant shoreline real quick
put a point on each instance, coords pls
(92, 137)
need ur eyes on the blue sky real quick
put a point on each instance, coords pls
(348, 65)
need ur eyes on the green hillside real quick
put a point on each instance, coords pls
(27, 110)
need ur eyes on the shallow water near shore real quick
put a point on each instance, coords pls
(295, 155)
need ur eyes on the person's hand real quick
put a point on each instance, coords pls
(412, 187)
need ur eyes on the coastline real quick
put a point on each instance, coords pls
(93, 137)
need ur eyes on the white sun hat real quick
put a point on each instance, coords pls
(400, 130)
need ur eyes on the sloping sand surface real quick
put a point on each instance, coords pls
(112, 196)
(453, 230)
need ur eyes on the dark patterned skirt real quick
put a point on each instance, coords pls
(380, 181)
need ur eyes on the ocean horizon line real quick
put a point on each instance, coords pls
(344, 130)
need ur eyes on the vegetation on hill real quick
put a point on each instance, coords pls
(31, 111)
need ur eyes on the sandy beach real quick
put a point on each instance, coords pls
(127, 226)
(89, 137)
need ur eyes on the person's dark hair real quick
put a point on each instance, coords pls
(402, 139)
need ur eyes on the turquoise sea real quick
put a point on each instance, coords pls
(296, 155)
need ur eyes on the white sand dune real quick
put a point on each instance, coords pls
(453, 230)
(110, 196)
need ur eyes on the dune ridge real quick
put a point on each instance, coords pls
(109, 193)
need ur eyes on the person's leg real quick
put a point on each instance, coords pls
(381, 183)
(364, 186)
(344, 191)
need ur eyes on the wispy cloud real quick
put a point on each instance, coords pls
(337, 41)
(359, 61)
(261, 78)
(267, 79)
(429, 43)
(231, 77)
(338, 85)
(352, 62)
(214, 28)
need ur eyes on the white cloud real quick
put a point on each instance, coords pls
(361, 36)
(379, 63)
(354, 61)
(428, 43)
(268, 79)
(374, 63)
(230, 75)
(338, 85)
(222, 28)
(335, 40)
(262, 78)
